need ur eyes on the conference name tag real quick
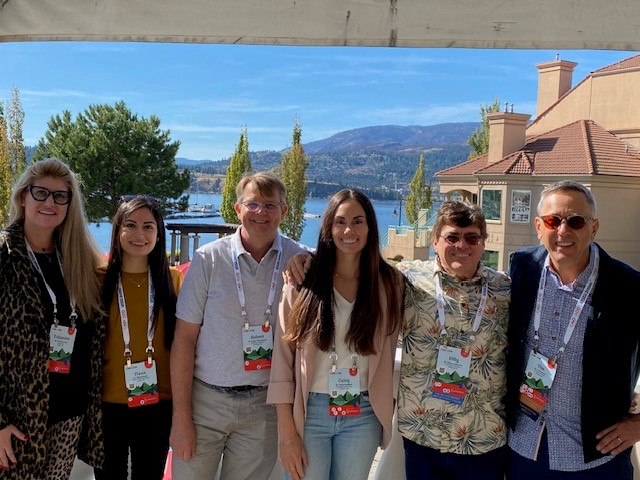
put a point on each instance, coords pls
(344, 392)
(61, 341)
(452, 372)
(534, 389)
(257, 346)
(141, 381)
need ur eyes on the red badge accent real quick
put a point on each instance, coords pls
(265, 329)
(464, 352)
(353, 372)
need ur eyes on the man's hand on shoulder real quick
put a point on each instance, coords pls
(297, 268)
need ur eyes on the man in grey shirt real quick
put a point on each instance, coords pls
(221, 355)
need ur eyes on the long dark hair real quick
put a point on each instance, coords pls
(313, 309)
(165, 295)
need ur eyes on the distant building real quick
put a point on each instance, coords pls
(589, 133)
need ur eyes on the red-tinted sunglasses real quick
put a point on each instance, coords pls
(574, 222)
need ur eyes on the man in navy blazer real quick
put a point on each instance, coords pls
(574, 355)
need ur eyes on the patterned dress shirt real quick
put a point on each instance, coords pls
(478, 425)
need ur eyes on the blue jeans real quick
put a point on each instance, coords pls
(339, 448)
(424, 463)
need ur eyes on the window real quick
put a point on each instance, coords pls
(492, 204)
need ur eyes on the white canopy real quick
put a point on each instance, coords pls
(541, 24)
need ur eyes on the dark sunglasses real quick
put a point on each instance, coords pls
(472, 239)
(151, 199)
(40, 194)
(574, 222)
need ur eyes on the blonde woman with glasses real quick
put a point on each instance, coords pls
(51, 329)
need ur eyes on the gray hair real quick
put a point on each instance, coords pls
(568, 186)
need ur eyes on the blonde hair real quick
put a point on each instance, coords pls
(77, 246)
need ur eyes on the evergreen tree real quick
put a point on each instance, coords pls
(479, 139)
(419, 195)
(293, 168)
(239, 164)
(115, 152)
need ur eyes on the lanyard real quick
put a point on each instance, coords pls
(575, 315)
(272, 287)
(478, 317)
(124, 321)
(333, 356)
(52, 295)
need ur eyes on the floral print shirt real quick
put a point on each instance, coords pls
(478, 425)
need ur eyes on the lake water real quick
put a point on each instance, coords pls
(384, 213)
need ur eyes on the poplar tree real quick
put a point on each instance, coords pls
(293, 167)
(239, 164)
(6, 175)
(12, 152)
(15, 120)
(419, 195)
(479, 139)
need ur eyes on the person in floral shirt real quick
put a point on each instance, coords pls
(453, 375)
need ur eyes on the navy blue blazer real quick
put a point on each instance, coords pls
(611, 360)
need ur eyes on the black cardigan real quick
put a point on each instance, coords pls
(611, 360)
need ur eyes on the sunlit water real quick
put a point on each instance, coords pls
(315, 206)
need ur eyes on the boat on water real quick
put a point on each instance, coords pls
(208, 208)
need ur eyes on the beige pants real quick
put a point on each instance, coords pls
(238, 426)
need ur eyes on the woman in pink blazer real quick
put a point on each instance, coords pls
(332, 371)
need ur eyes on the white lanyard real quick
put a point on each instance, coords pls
(576, 311)
(124, 320)
(478, 317)
(333, 356)
(52, 295)
(272, 287)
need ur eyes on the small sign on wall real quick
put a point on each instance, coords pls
(520, 206)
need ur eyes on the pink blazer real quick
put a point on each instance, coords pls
(292, 369)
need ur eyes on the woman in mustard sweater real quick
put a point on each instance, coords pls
(139, 292)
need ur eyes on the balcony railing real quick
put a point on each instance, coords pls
(182, 235)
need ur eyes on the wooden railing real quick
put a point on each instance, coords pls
(182, 233)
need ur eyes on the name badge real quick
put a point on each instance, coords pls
(141, 382)
(534, 389)
(61, 341)
(344, 392)
(452, 373)
(257, 345)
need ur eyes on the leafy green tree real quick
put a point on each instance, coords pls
(293, 167)
(115, 152)
(479, 139)
(239, 164)
(6, 175)
(419, 195)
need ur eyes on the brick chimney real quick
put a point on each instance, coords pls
(506, 134)
(554, 80)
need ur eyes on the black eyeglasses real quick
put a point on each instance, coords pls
(127, 198)
(40, 194)
(574, 222)
(472, 239)
(268, 206)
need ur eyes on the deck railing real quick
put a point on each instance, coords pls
(182, 234)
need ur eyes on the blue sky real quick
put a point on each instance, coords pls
(205, 94)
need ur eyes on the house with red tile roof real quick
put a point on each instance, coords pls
(589, 133)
